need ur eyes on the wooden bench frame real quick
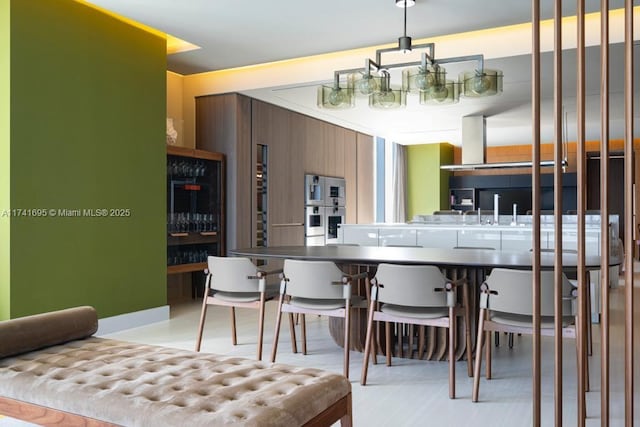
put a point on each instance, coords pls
(44, 416)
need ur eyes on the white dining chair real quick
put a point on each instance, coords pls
(506, 306)
(236, 282)
(316, 287)
(416, 295)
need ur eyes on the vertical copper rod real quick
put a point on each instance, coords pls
(535, 202)
(628, 212)
(557, 206)
(581, 190)
(604, 211)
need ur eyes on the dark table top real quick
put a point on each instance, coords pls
(410, 255)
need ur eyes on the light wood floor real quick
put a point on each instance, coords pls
(413, 392)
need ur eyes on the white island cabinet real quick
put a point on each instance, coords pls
(454, 232)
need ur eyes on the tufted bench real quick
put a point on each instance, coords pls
(68, 377)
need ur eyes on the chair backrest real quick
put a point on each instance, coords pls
(410, 285)
(313, 279)
(513, 289)
(231, 274)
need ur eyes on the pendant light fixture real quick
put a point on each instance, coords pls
(427, 78)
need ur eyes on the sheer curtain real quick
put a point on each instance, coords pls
(398, 183)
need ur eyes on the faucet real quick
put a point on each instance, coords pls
(496, 204)
(479, 216)
(514, 219)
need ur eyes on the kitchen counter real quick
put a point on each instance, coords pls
(451, 231)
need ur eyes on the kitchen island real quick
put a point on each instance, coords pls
(482, 232)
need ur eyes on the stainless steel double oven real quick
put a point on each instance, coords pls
(324, 209)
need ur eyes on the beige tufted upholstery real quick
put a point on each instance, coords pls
(142, 385)
(54, 369)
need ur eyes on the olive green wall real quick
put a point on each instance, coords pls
(427, 185)
(5, 137)
(88, 108)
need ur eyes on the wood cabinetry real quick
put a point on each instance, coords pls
(195, 208)
(274, 128)
(247, 129)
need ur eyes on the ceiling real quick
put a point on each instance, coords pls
(250, 32)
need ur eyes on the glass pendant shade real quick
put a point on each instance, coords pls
(363, 84)
(481, 83)
(388, 99)
(335, 98)
(447, 92)
(420, 79)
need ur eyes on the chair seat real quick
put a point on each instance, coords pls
(272, 291)
(416, 312)
(325, 304)
(546, 322)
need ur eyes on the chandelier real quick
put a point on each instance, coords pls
(428, 80)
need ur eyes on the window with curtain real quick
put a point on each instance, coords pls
(391, 181)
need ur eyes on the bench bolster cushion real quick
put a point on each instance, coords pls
(44, 330)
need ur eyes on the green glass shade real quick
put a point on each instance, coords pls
(363, 84)
(481, 83)
(388, 99)
(420, 79)
(441, 94)
(335, 98)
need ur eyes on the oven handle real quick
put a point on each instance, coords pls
(290, 224)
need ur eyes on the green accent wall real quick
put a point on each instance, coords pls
(427, 184)
(5, 160)
(88, 108)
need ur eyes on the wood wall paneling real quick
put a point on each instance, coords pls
(350, 158)
(245, 205)
(365, 179)
(273, 128)
(223, 125)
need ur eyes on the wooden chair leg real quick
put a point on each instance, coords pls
(478, 362)
(276, 334)
(234, 339)
(261, 324)
(387, 331)
(292, 332)
(578, 356)
(203, 316)
(488, 349)
(511, 340)
(452, 353)
(374, 351)
(399, 332)
(368, 343)
(589, 325)
(378, 342)
(347, 336)
(303, 332)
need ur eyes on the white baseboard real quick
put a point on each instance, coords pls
(135, 319)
